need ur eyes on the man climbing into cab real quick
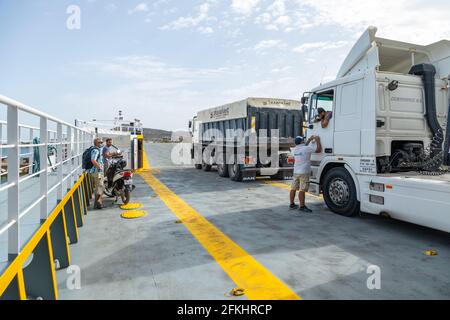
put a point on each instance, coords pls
(324, 117)
(302, 169)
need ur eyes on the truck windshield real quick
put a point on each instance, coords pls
(322, 100)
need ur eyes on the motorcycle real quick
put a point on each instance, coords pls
(118, 181)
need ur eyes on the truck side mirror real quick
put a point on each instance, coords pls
(190, 124)
(304, 111)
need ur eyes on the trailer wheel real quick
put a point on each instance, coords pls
(222, 169)
(206, 167)
(340, 192)
(235, 172)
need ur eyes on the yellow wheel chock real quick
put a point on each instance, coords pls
(134, 214)
(131, 206)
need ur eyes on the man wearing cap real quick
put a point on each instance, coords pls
(302, 169)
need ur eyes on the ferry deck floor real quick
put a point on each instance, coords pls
(308, 256)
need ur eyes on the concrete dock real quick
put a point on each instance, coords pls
(315, 256)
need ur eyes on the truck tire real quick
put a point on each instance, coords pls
(206, 167)
(339, 192)
(198, 167)
(222, 169)
(235, 172)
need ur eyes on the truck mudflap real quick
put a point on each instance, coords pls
(314, 189)
(248, 175)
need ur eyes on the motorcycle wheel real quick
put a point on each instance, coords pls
(126, 195)
(109, 195)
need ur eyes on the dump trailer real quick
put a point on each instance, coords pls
(247, 138)
(386, 147)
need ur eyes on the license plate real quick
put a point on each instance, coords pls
(128, 182)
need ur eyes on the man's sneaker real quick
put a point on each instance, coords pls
(293, 206)
(305, 209)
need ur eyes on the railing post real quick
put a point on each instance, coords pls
(31, 157)
(69, 157)
(59, 159)
(43, 177)
(13, 177)
(76, 160)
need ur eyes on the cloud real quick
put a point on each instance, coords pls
(146, 68)
(141, 7)
(319, 46)
(192, 21)
(416, 21)
(205, 30)
(244, 7)
(268, 44)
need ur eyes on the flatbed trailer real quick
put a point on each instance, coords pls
(234, 136)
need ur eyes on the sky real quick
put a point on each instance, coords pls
(162, 61)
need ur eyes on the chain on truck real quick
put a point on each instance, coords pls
(386, 148)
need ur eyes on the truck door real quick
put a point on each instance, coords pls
(326, 101)
(347, 125)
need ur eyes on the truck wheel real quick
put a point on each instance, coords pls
(235, 172)
(340, 192)
(198, 167)
(206, 167)
(222, 169)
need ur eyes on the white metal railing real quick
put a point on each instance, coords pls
(117, 125)
(69, 142)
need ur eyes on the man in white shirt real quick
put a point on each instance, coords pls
(302, 169)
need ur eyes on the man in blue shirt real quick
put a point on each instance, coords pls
(96, 173)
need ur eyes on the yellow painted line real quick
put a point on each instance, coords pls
(75, 221)
(85, 196)
(145, 162)
(66, 235)
(21, 285)
(288, 187)
(247, 273)
(52, 265)
(80, 206)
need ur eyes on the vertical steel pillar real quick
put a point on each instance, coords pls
(13, 177)
(76, 160)
(69, 157)
(43, 177)
(59, 160)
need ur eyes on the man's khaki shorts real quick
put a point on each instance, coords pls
(300, 182)
(99, 184)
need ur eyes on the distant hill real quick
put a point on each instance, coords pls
(157, 135)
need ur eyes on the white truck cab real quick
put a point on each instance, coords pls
(386, 147)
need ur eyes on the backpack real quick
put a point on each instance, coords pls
(87, 162)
